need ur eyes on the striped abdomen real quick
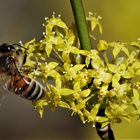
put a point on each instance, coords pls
(27, 88)
(105, 132)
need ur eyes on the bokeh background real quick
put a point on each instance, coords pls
(22, 20)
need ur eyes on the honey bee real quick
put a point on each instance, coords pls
(12, 59)
(106, 131)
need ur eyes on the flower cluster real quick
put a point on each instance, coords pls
(85, 81)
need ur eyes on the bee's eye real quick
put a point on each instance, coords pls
(4, 48)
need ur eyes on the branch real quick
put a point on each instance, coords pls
(80, 21)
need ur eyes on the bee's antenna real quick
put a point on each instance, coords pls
(16, 44)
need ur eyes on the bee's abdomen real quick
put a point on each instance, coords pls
(105, 132)
(35, 92)
(28, 89)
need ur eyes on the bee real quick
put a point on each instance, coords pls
(12, 58)
(104, 132)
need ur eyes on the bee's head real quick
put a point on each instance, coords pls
(15, 51)
(6, 48)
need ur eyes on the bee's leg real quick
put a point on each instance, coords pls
(4, 90)
(2, 94)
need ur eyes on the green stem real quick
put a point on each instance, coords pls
(80, 21)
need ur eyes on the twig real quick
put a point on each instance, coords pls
(80, 21)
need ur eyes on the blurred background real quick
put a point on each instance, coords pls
(22, 20)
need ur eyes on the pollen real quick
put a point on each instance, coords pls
(46, 18)
(53, 14)
(20, 42)
(59, 15)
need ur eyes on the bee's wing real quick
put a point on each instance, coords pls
(4, 83)
(2, 92)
